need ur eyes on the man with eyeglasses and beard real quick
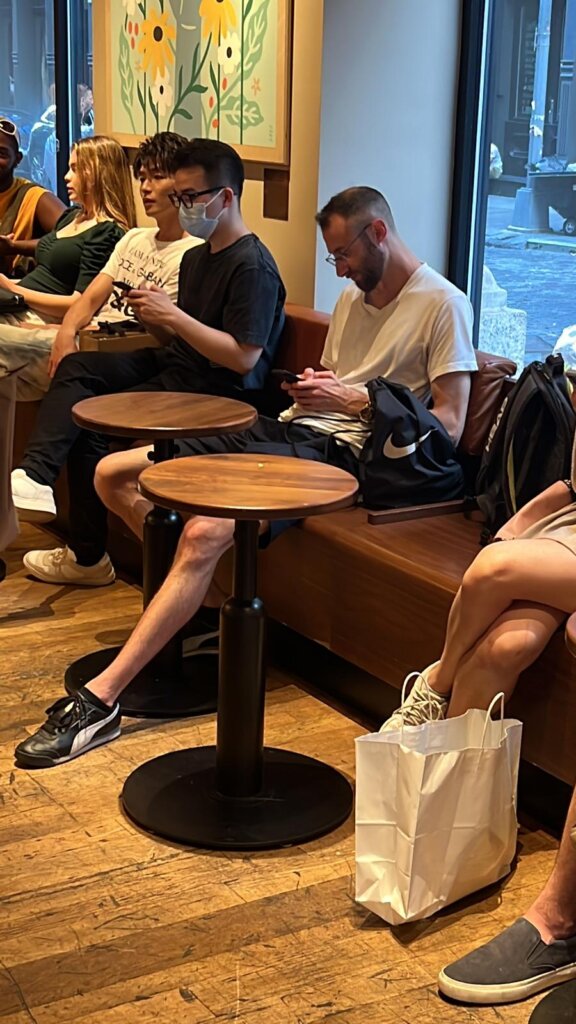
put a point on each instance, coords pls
(398, 319)
(27, 211)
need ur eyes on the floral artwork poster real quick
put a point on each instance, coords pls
(211, 68)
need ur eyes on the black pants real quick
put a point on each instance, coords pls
(57, 439)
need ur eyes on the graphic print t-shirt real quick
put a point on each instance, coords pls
(139, 257)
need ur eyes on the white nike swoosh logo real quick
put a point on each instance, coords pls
(392, 451)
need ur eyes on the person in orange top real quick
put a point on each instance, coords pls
(27, 211)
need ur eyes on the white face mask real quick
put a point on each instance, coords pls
(195, 221)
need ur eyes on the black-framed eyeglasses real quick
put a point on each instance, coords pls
(334, 258)
(187, 199)
(8, 127)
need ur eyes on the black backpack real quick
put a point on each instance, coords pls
(529, 446)
(409, 458)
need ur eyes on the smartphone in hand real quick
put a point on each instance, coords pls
(285, 376)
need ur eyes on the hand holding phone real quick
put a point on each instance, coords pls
(285, 376)
(122, 286)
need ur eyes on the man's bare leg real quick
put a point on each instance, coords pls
(553, 913)
(201, 545)
(116, 484)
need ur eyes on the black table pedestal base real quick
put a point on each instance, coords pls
(558, 1007)
(175, 796)
(192, 689)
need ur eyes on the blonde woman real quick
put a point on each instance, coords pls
(67, 259)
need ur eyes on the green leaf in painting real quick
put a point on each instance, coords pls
(199, 88)
(248, 8)
(252, 114)
(183, 113)
(141, 99)
(126, 78)
(213, 79)
(254, 36)
(153, 108)
(195, 59)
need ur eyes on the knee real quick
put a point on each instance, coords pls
(204, 540)
(110, 478)
(491, 568)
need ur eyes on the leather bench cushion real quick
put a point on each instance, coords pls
(486, 395)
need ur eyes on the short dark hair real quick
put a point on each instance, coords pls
(220, 163)
(158, 152)
(355, 203)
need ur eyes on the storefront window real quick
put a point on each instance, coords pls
(527, 241)
(28, 59)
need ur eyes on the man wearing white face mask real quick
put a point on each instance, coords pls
(218, 338)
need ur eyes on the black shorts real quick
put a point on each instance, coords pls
(272, 437)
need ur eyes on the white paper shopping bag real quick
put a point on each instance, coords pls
(435, 812)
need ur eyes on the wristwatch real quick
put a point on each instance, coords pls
(366, 414)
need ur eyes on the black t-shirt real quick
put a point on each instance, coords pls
(69, 264)
(237, 290)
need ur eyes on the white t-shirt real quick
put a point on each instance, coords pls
(138, 257)
(425, 332)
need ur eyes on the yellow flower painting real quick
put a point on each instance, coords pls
(154, 47)
(218, 18)
(210, 68)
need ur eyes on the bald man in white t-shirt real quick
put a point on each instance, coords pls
(398, 319)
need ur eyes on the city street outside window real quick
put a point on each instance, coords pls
(528, 304)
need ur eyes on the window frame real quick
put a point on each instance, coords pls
(469, 196)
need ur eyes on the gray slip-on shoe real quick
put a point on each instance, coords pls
(514, 965)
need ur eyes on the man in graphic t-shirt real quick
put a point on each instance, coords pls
(398, 318)
(218, 338)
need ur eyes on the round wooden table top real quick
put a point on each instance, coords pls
(248, 486)
(570, 634)
(163, 414)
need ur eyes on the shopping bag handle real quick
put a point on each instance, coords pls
(499, 697)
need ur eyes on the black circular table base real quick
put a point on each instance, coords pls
(175, 796)
(558, 1007)
(193, 691)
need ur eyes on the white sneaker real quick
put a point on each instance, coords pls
(421, 705)
(60, 566)
(35, 502)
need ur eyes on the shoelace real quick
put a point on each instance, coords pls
(419, 700)
(64, 712)
(59, 555)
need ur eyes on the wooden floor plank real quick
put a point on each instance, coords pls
(103, 924)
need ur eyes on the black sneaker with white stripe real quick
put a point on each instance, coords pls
(74, 725)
